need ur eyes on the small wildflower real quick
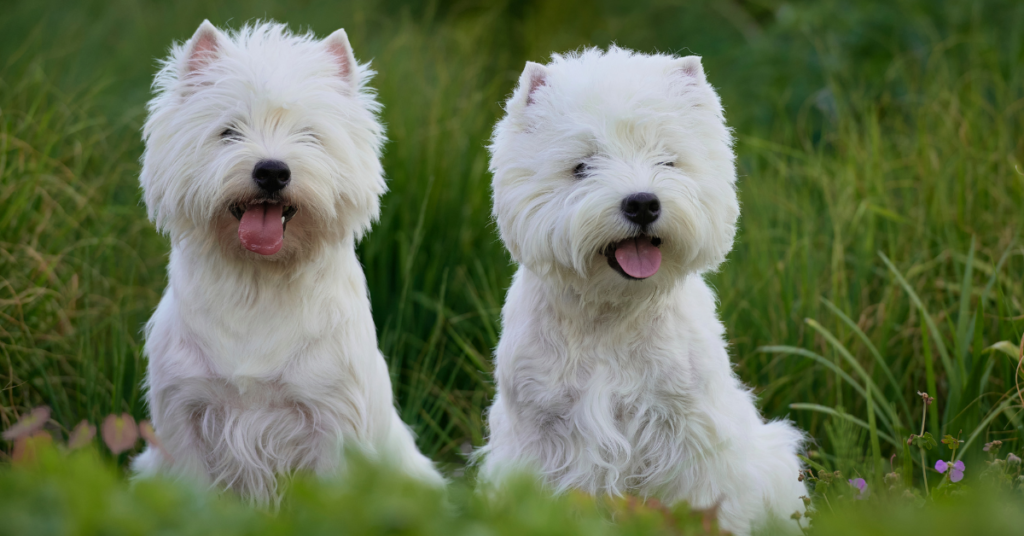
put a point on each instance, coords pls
(119, 432)
(795, 516)
(992, 445)
(82, 435)
(892, 478)
(860, 484)
(1012, 459)
(956, 473)
(800, 477)
(806, 500)
(956, 470)
(28, 424)
(26, 447)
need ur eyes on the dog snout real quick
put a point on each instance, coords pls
(271, 175)
(642, 209)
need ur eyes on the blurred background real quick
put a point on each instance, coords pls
(879, 253)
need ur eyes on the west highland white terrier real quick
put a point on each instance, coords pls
(262, 163)
(614, 191)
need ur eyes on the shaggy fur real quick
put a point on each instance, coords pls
(607, 383)
(265, 364)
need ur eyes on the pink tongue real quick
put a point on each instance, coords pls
(638, 257)
(261, 229)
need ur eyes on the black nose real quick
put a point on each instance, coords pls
(642, 208)
(271, 175)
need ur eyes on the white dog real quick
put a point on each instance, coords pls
(262, 164)
(614, 190)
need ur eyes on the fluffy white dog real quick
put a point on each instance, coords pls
(614, 190)
(262, 164)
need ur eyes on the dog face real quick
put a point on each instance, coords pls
(614, 171)
(262, 143)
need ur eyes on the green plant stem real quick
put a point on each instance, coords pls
(924, 461)
(924, 473)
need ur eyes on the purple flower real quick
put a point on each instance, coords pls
(956, 470)
(956, 474)
(860, 484)
(1013, 459)
(992, 445)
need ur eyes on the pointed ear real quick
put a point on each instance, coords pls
(339, 48)
(534, 76)
(204, 47)
(690, 67)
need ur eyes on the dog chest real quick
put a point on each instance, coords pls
(246, 433)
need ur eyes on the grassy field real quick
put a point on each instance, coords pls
(880, 252)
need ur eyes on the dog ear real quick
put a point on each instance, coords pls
(534, 76)
(690, 67)
(338, 46)
(203, 47)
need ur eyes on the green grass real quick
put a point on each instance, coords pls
(48, 498)
(880, 251)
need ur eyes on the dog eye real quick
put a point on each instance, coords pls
(230, 134)
(310, 136)
(667, 164)
(581, 170)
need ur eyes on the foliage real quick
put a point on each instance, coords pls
(57, 490)
(76, 489)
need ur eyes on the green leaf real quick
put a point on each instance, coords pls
(838, 414)
(1005, 347)
(814, 465)
(926, 441)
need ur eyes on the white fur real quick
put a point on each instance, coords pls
(263, 365)
(621, 386)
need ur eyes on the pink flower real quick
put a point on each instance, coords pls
(860, 484)
(956, 470)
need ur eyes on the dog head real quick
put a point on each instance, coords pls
(614, 171)
(262, 143)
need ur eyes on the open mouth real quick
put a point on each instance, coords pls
(635, 258)
(261, 225)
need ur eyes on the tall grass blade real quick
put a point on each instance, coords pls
(792, 350)
(879, 360)
(842, 415)
(933, 330)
